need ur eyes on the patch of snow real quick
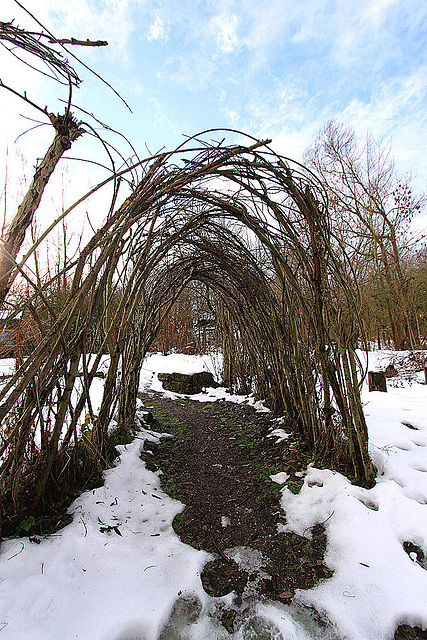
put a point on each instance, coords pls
(119, 572)
(280, 477)
(248, 559)
(225, 522)
(7, 366)
(279, 434)
(260, 407)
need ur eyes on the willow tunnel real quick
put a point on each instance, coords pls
(253, 227)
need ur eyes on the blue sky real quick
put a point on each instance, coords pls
(275, 68)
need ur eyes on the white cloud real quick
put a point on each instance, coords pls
(157, 30)
(269, 23)
(224, 28)
(286, 115)
(293, 143)
(193, 70)
(345, 33)
(110, 20)
(278, 46)
(286, 101)
(389, 103)
(162, 118)
(377, 9)
(396, 112)
(231, 115)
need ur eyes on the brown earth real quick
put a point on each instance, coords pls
(218, 464)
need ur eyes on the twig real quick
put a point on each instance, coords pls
(75, 57)
(221, 553)
(84, 524)
(82, 43)
(24, 97)
(319, 523)
(17, 554)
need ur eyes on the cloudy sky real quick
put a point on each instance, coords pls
(272, 68)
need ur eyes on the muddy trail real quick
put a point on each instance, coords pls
(218, 463)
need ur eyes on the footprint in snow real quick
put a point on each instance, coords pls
(185, 612)
(410, 426)
(257, 628)
(369, 504)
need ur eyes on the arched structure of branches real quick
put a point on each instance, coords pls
(204, 212)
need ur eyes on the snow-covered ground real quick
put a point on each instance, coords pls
(119, 572)
(156, 363)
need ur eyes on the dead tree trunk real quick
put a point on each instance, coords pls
(67, 131)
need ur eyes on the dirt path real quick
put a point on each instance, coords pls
(218, 463)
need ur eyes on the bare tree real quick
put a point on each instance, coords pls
(372, 208)
(42, 47)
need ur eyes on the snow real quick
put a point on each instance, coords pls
(279, 434)
(180, 363)
(375, 585)
(83, 583)
(7, 367)
(119, 572)
(280, 477)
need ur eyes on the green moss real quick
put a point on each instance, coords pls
(173, 423)
(266, 472)
(227, 620)
(186, 536)
(209, 407)
(294, 484)
(172, 488)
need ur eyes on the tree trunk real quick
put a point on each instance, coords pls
(52, 448)
(67, 131)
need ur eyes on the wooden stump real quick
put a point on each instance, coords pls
(377, 381)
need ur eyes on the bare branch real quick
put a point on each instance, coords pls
(81, 43)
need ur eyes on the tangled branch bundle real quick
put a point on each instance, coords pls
(32, 43)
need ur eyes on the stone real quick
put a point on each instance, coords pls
(186, 383)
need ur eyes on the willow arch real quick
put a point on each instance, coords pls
(297, 312)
